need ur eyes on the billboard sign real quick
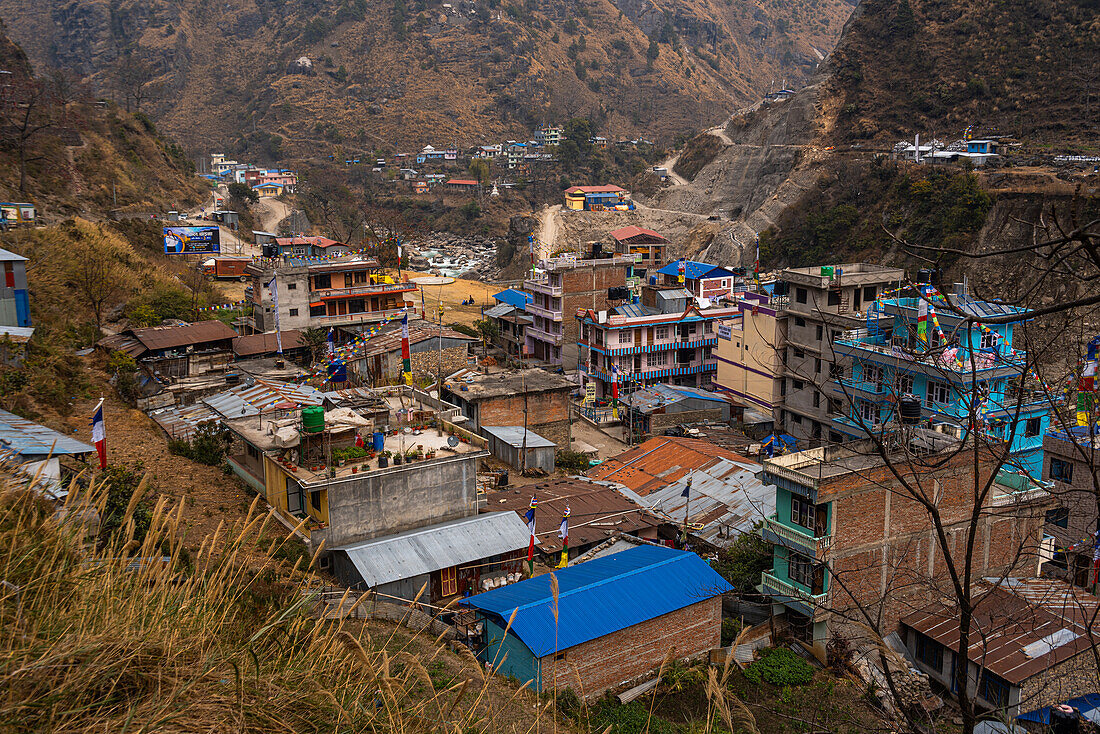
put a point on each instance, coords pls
(188, 240)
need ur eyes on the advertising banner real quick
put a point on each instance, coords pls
(188, 240)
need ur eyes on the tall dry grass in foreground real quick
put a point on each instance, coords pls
(91, 640)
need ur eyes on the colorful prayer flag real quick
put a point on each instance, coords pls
(406, 362)
(563, 533)
(922, 320)
(530, 516)
(99, 434)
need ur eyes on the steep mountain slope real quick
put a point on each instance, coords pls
(408, 72)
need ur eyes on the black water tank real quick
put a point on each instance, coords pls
(909, 409)
(1063, 720)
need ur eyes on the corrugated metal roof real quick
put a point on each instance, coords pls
(514, 297)
(660, 395)
(694, 270)
(632, 231)
(31, 439)
(499, 311)
(253, 344)
(8, 256)
(726, 497)
(167, 337)
(237, 402)
(420, 551)
(513, 436)
(1022, 628)
(601, 596)
(390, 341)
(597, 510)
(122, 343)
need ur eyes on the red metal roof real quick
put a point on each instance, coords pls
(627, 232)
(462, 182)
(253, 344)
(316, 241)
(607, 189)
(644, 469)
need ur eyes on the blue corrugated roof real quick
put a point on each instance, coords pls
(1087, 705)
(601, 596)
(694, 270)
(514, 297)
(31, 439)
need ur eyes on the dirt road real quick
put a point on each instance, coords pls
(668, 165)
(270, 213)
(548, 231)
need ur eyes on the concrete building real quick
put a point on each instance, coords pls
(649, 249)
(566, 285)
(665, 338)
(750, 352)
(522, 450)
(512, 324)
(15, 308)
(549, 135)
(650, 410)
(702, 280)
(1030, 644)
(610, 622)
(597, 198)
(957, 364)
(315, 294)
(501, 398)
(430, 347)
(1070, 460)
(849, 531)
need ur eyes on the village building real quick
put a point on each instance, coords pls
(597, 198)
(665, 338)
(15, 308)
(650, 410)
(549, 135)
(605, 623)
(433, 351)
(523, 450)
(702, 280)
(847, 533)
(649, 249)
(462, 185)
(725, 499)
(52, 458)
(174, 352)
(511, 328)
(287, 344)
(533, 398)
(1070, 459)
(313, 294)
(268, 190)
(569, 283)
(957, 362)
(1030, 644)
(307, 246)
(750, 354)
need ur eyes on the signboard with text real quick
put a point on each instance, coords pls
(192, 240)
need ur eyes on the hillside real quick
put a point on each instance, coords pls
(403, 73)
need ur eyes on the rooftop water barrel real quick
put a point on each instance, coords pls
(909, 409)
(313, 419)
(379, 441)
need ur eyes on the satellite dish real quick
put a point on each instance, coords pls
(407, 430)
(452, 441)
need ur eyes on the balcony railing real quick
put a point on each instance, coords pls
(364, 289)
(774, 586)
(796, 538)
(865, 386)
(546, 313)
(859, 339)
(543, 286)
(544, 336)
(352, 318)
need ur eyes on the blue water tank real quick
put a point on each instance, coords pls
(379, 442)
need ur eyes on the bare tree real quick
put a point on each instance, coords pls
(133, 76)
(29, 112)
(98, 274)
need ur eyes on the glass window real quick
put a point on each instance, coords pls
(994, 689)
(293, 312)
(938, 393)
(817, 365)
(1061, 470)
(817, 399)
(868, 413)
(800, 295)
(819, 332)
(929, 652)
(803, 512)
(799, 321)
(292, 286)
(1032, 427)
(660, 333)
(834, 298)
(626, 337)
(801, 569)
(903, 383)
(869, 293)
(989, 339)
(798, 385)
(1058, 517)
(655, 359)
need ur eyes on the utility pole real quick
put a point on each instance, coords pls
(439, 372)
(687, 505)
(523, 451)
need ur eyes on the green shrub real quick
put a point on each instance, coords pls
(573, 462)
(206, 446)
(730, 629)
(780, 667)
(633, 718)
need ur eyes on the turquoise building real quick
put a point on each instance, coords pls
(966, 376)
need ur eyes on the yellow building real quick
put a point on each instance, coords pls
(748, 353)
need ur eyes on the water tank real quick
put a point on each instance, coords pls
(313, 419)
(379, 441)
(909, 409)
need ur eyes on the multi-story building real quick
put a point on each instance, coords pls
(549, 135)
(798, 321)
(702, 280)
(963, 374)
(567, 285)
(850, 533)
(665, 338)
(1071, 456)
(321, 294)
(647, 247)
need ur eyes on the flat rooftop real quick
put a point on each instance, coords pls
(471, 385)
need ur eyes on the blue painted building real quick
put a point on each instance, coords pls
(964, 375)
(611, 620)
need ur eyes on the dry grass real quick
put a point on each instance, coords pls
(92, 641)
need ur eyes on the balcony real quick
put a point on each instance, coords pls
(956, 367)
(544, 336)
(364, 289)
(546, 313)
(354, 318)
(798, 538)
(543, 286)
(875, 388)
(785, 593)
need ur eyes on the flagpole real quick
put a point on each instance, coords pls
(687, 495)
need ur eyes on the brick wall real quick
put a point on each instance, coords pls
(885, 554)
(612, 660)
(660, 421)
(1069, 679)
(547, 414)
(586, 287)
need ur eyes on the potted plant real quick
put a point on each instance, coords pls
(430, 454)
(384, 459)
(397, 458)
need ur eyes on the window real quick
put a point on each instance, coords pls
(801, 570)
(834, 334)
(867, 412)
(293, 312)
(1033, 427)
(903, 383)
(869, 293)
(800, 295)
(797, 385)
(626, 337)
(318, 310)
(836, 371)
(929, 652)
(660, 333)
(803, 512)
(799, 321)
(817, 399)
(321, 282)
(796, 419)
(315, 500)
(559, 656)
(292, 286)
(1061, 470)
(817, 365)
(815, 432)
(834, 298)
(1059, 517)
(448, 581)
(293, 497)
(655, 359)
(819, 332)
(799, 354)
(994, 689)
(938, 393)
(707, 327)
(835, 437)
(872, 373)
(835, 407)
(989, 339)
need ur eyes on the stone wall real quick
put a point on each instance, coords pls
(1068, 679)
